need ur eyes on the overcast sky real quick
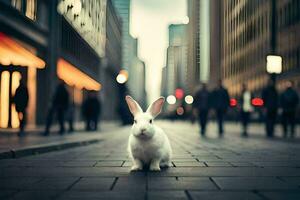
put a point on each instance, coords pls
(149, 23)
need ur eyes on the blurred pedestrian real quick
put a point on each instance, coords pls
(270, 98)
(21, 102)
(246, 109)
(91, 110)
(59, 107)
(70, 116)
(201, 107)
(221, 100)
(289, 101)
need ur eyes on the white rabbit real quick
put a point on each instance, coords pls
(147, 144)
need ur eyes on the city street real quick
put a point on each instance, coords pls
(231, 167)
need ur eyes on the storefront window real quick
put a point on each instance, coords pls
(27, 7)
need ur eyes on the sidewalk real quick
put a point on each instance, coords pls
(34, 142)
(211, 168)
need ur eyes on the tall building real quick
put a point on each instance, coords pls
(130, 60)
(204, 43)
(138, 76)
(176, 69)
(112, 64)
(251, 30)
(42, 45)
(123, 10)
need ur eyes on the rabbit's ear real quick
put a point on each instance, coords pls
(134, 107)
(155, 108)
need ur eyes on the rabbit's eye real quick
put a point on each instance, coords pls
(134, 121)
(150, 121)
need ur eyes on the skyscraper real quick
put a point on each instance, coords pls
(248, 36)
(123, 10)
(176, 68)
(204, 43)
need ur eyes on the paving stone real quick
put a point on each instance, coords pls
(17, 183)
(78, 164)
(78, 195)
(131, 183)
(290, 195)
(221, 195)
(218, 164)
(189, 164)
(93, 184)
(6, 194)
(252, 183)
(171, 183)
(277, 164)
(292, 180)
(166, 195)
(31, 195)
(52, 184)
(109, 163)
(242, 164)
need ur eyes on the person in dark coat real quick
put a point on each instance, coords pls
(221, 100)
(270, 98)
(91, 109)
(21, 102)
(59, 106)
(246, 108)
(201, 106)
(289, 101)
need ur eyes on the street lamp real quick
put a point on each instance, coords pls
(274, 65)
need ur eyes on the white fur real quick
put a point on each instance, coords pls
(151, 146)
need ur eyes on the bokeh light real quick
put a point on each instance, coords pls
(171, 99)
(189, 99)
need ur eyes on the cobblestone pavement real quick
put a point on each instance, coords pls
(203, 168)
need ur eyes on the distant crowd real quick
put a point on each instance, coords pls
(61, 107)
(275, 105)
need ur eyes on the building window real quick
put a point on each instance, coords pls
(26, 7)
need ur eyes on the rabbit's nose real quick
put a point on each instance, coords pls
(143, 130)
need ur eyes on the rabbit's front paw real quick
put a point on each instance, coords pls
(155, 168)
(136, 168)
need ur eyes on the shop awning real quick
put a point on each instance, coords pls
(74, 77)
(13, 53)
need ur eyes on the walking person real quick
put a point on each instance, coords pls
(289, 101)
(246, 109)
(91, 111)
(59, 107)
(201, 107)
(221, 102)
(21, 102)
(270, 98)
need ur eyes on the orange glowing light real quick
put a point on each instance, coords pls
(11, 52)
(4, 101)
(74, 77)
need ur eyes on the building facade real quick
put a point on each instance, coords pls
(251, 30)
(35, 30)
(123, 10)
(130, 59)
(112, 64)
(176, 69)
(203, 43)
